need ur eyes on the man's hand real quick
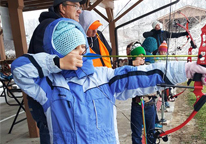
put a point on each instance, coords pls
(71, 61)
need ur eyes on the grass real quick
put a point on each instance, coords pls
(200, 116)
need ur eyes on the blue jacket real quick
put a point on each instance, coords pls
(79, 105)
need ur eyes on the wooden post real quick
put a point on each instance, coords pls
(2, 50)
(111, 31)
(19, 37)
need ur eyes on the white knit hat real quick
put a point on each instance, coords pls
(67, 37)
(155, 23)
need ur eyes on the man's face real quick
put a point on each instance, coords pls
(72, 10)
(157, 27)
(91, 33)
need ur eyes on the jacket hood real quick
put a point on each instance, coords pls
(49, 15)
(86, 18)
(87, 67)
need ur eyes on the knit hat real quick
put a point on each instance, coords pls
(137, 51)
(67, 37)
(95, 25)
(163, 47)
(155, 23)
(57, 2)
(150, 44)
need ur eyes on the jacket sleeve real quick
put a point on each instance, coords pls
(176, 35)
(30, 71)
(128, 81)
(148, 34)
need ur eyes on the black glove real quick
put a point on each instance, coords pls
(186, 33)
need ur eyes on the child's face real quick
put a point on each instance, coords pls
(162, 52)
(81, 49)
(138, 61)
(157, 27)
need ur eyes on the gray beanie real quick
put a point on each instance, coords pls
(57, 2)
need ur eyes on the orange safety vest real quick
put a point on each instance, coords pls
(103, 51)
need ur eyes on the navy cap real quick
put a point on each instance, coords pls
(57, 2)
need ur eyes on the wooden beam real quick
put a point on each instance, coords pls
(111, 31)
(128, 10)
(91, 7)
(19, 36)
(101, 14)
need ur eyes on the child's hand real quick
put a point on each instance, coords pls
(71, 61)
(192, 67)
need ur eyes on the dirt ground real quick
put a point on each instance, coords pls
(187, 135)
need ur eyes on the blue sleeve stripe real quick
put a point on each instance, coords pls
(140, 73)
(33, 61)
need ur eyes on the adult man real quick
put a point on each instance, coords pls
(98, 44)
(161, 35)
(61, 8)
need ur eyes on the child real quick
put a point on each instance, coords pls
(162, 50)
(79, 104)
(150, 45)
(136, 110)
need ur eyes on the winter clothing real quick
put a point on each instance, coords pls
(36, 43)
(163, 47)
(79, 105)
(137, 51)
(66, 38)
(155, 23)
(98, 44)
(150, 45)
(161, 35)
(36, 46)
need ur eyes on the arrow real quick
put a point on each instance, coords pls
(92, 56)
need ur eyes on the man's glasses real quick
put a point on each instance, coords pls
(76, 6)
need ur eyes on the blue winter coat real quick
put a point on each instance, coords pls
(79, 105)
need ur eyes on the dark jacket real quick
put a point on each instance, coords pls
(36, 43)
(161, 35)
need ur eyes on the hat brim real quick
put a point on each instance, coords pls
(95, 25)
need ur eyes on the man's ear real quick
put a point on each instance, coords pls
(62, 9)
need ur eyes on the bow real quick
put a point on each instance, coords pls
(193, 45)
(198, 86)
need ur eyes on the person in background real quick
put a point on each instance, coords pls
(136, 109)
(61, 8)
(162, 50)
(150, 45)
(98, 44)
(161, 35)
(79, 103)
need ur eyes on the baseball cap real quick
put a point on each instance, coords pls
(57, 2)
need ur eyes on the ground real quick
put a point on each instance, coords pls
(189, 133)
